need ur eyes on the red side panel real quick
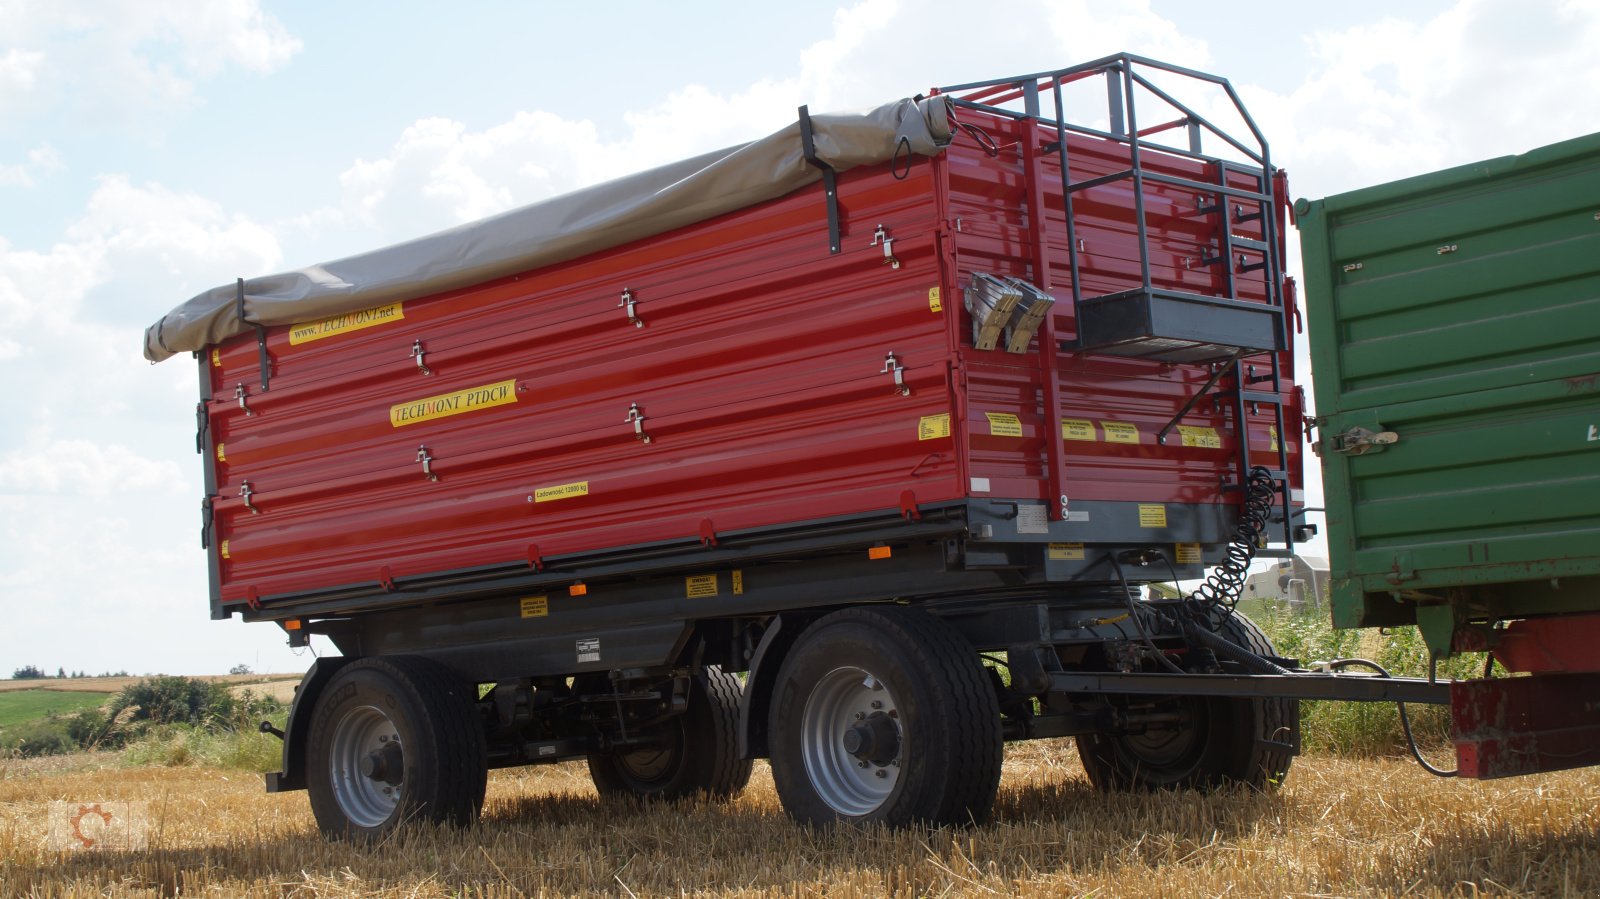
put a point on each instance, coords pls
(1111, 408)
(754, 381)
(759, 373)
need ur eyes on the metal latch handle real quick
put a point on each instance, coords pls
(628, 304)
(1359, 441)
(420, 354)
(426, 458)
(891, 365)
(881, 236)
(637, 418)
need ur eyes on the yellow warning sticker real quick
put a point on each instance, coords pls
(1066, 552)
(1272, 431)
(1152, 515)
(535, 606)
(225, 550)
(1120, 432)
(216, 357)
(561, 491)
(1004, 424)
(221, 456)
(446, 404)
(305, 332)
(932, 427)
(935, 303)
(1195, 436)
(699, 586)
(1077, 429)
(1188, 554)
(738, 582)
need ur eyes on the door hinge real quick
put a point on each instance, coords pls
(206, 519)
(202, 428)
(1357, 442)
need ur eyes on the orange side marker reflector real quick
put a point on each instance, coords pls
(293, 624)
(577, 589)
(878, 552)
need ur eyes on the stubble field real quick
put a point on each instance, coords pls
(1340, 827)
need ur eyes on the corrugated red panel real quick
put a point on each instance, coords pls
(761, 377)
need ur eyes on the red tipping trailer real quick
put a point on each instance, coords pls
(843, 409)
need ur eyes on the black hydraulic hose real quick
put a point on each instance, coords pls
(1405, 720)
(1138, 622)
(1226, 648)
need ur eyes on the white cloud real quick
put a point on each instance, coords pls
(439, 173)
(129, 63)
(1394, 98)
(19, 71)
(53, 465)
(42, 160)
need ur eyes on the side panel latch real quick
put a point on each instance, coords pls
(426, 458)
(628, 304)
(635, 416)
(892, 366)
(1358, 441)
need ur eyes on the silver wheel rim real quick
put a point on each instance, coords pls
(851, 739)
(366, 766)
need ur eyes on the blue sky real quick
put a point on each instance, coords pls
(153, 149)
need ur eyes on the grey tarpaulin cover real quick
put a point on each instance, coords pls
(558, 229)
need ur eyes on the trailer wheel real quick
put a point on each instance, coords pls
(394, 739)
(1220, 741)
(700, 753)
(884, 715)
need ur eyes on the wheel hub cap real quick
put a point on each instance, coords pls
(366, 766)
(851, 740)
(876, 739)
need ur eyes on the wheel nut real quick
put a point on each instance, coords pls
(862, 763)
(860, 715)
(882, 772)
(877, 703)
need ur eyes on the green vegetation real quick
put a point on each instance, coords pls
(160, 720)
(1362, 728)
(19, 706)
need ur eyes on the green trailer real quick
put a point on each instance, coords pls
(1455, 346)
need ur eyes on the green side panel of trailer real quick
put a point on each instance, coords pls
(1458, 313)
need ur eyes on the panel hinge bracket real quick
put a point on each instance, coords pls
(206, 519)
(202, 428)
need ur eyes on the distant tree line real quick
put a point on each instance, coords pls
(34, 672)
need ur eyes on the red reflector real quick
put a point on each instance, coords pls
(293, 624)
(878, 552)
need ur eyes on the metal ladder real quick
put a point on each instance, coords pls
(1242, 384)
